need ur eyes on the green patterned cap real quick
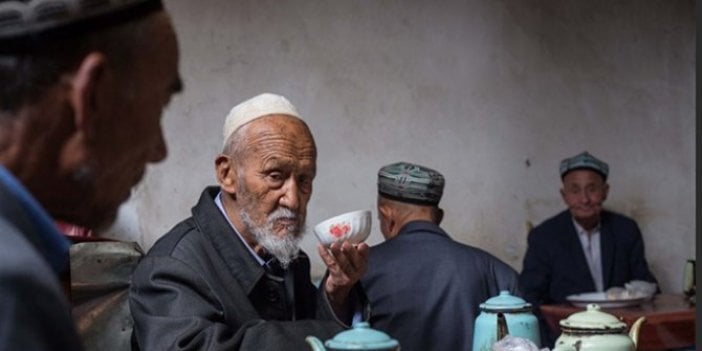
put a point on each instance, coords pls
(584, 161)
(411, 183)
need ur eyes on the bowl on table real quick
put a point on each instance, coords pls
(352, 226)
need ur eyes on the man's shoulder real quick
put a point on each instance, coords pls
(451, 247)
(616, 218)
(433, 247)
(416, 232)
(558, 219)
(478, 253)
(27, 281)
(620, 227)
(184, 252)
(552, 226)
(183, 233)
(29, 285)
(19, 259)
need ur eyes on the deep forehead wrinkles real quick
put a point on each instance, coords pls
(280, 137)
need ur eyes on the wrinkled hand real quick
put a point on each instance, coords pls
(346, 263)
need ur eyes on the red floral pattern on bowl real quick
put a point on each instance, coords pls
(354, 227)
(338, 230)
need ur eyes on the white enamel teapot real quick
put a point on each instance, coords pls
(594, 330)
(360, 338)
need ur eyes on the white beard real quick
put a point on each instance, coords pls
(285, 248)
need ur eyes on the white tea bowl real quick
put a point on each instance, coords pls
(352, 226)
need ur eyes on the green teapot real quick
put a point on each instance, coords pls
(360, 337)
(594, 330)
(501, 315)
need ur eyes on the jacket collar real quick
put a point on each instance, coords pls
(214, 226)
(421, 227)
(572, 242)
(607, 246)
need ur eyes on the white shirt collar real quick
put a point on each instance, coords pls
(590, 243)
(581, 231)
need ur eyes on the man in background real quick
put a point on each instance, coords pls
(425, 289)
(232, 276)
(584, 248)
(83, 88)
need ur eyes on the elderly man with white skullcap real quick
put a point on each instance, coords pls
(425, 289)
(232, 276)
(583, 248)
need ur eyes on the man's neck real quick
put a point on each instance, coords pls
(411, 217)
(588, 225)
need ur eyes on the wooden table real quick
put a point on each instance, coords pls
(670, 321)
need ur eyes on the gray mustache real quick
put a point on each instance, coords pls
(283, 214)
(287, 214)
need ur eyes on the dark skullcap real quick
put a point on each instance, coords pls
(407, 182)
(584, 161)
(24, 22)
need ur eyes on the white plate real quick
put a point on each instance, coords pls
(600, 298)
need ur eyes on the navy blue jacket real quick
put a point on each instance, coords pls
(555, 265)
(425, 289)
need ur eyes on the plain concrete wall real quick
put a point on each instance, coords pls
(491, 93)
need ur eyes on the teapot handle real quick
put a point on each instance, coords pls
(635, 329)
(315, 343)
(502, 329)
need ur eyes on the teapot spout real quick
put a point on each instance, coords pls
(315, 343)
(634, 331)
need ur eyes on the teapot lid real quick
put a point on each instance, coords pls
(362, 337)
(593, 318)
(505, 302)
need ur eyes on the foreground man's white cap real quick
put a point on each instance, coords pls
(258, 106)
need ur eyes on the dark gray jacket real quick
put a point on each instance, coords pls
(199, 288)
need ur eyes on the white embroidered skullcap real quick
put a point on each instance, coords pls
(258, 106)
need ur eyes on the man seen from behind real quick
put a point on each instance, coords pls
(425, 288)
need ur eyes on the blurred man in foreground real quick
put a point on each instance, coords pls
(83, 88)
(425, 289)
(232, 276)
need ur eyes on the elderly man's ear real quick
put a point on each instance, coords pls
(387, 220)
(438, 215)
(90, 90)
(85, 92)
(226, 173)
